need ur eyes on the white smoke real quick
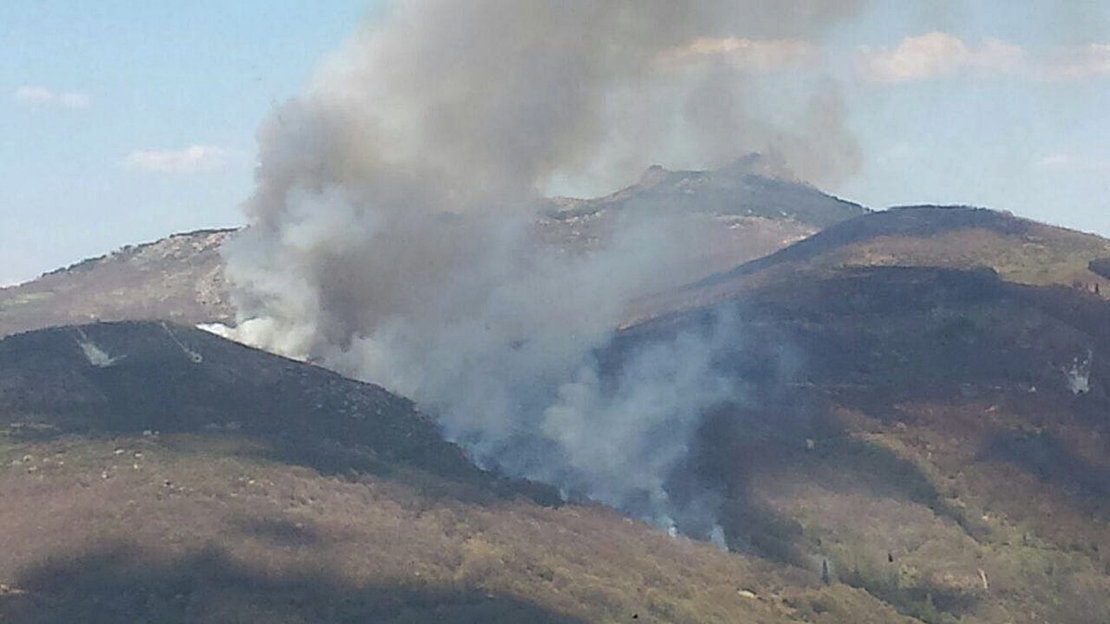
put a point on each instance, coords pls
(392, 229)
(1078, 375)
(93, 353)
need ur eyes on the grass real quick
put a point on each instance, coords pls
(941, 489)
(906, 509)
(1041, 256)
(202, 527)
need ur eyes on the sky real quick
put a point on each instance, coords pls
(122, 122)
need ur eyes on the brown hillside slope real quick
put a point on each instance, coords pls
(955, 237)
(940, 435)
(155, 473)
(742, 214)
(179, 278)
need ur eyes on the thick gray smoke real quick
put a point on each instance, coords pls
(392, 229)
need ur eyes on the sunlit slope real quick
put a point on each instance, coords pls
(1018, 250)
(179, 278)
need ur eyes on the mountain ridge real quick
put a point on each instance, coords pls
(958, 237)
(180, 278)
(922, 423)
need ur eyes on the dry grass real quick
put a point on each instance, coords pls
(1026, 550)
(1042, 256)
(137, 527)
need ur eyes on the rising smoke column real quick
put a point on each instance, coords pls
(390, 230)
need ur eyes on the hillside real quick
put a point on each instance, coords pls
(745, 188)
(918, 415)
(745, 211)
(936, 437)
(151, 472)
(179, 278)
(135, 377)
(938, 434)
(956, 237)
(742, 213)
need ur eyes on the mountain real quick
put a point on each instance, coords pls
(152, 472)
(957, 237)
(916, 432)
(746, 209)
(179, 278)
(933, 424)
(744, 214)
(135, 377)
(931, 440)
(745, 188)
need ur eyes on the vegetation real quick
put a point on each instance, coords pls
(910, 447)
(199, 528)
(179, 279)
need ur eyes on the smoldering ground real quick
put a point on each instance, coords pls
(391, 231)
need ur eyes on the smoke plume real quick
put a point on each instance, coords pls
(392, 230)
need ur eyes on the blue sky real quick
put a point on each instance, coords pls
(88, 88)
(124, 121)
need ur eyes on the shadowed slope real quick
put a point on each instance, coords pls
(123, 584)
(131, 377)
